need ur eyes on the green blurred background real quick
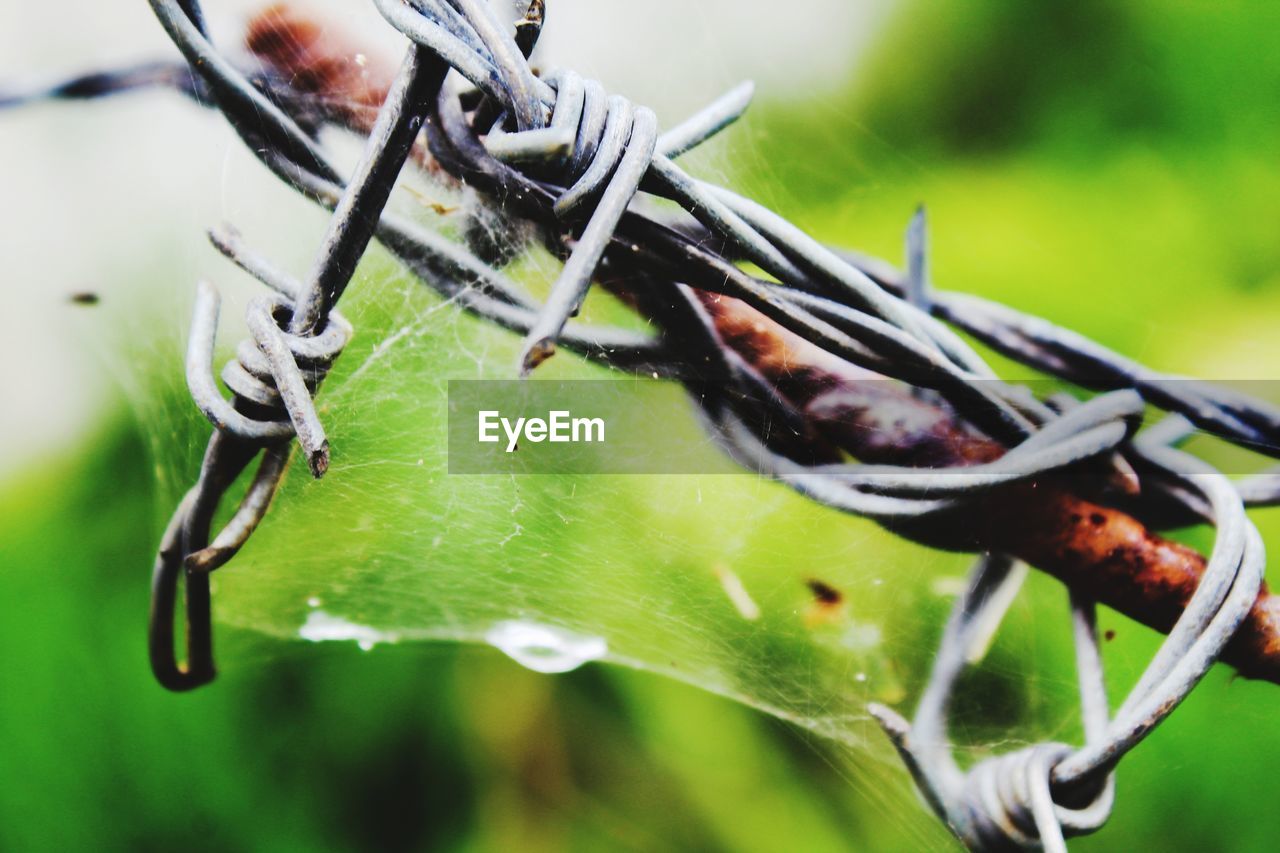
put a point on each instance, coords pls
(1108, 164)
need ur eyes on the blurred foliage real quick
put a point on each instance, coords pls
(1107, 164)
(1083, 76)
(1069, 82)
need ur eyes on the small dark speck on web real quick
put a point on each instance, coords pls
(1109, 635)
(84, 297)
(823, 592)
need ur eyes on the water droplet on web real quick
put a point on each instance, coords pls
(545, 648)
(322, 627)
(861, 637)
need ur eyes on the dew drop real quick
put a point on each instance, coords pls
(861, 637)
(545, 648)
(321, 627)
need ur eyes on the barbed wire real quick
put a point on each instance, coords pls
(558, 153)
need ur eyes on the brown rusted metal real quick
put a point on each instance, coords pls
(1097, 549)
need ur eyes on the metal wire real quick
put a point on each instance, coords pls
(558, 152)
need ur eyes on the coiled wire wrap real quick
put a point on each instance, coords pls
(275, 373)
(559, 152)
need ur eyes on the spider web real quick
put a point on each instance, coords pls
(730, 583)
(702, 577)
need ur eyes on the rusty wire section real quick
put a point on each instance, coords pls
(555, 151)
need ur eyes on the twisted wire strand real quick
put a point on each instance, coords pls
(560, 152)
(892, 493)
(1068, 355)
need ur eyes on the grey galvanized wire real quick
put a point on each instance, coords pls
(558, 152)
